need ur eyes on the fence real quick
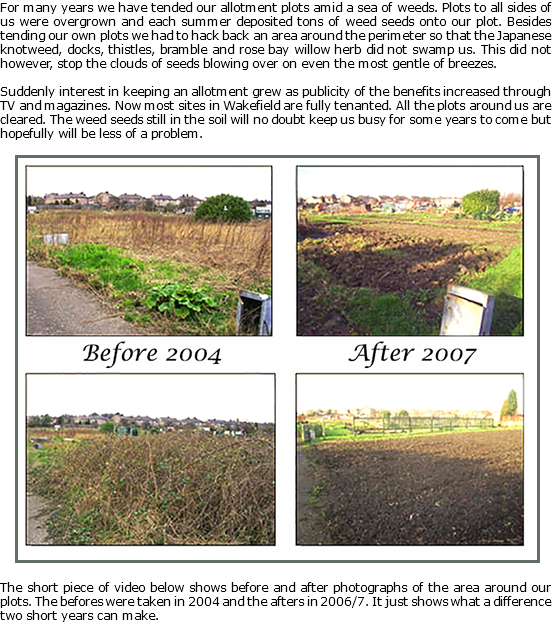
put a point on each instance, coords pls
(403, 424)
(309, 431)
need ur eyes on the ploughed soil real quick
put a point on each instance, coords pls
(394, 257)
(447, 489)
(391, 263)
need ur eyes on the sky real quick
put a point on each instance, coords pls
(443, 181)
(249, 397)
(393, 392)
(249, 182)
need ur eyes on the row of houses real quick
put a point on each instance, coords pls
(340, 414)
(184, 203)
(369, 412)
(397, 203)
(147, 423)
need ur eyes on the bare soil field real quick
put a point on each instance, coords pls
(448, 489)
(456, 230)
(413, 261)
(390, 262)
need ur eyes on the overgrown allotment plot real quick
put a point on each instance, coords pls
(170, 274)
(445, 489)
(174, 488)
(386, 274)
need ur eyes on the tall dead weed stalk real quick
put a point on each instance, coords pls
(234, 248)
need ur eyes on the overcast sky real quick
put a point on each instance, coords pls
(249, 182)
(249, 397)
(443, 181)
(408, 391)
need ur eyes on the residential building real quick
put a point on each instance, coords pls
(102, 198)
(162, 201)
(75, 198)
(131, 201)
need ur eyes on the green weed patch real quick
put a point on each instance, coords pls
(103, 266)
(387, 314)
(178, 299)
(364, 310)
(169, 297)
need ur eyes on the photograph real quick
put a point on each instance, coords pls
(409, 460)
(149, 250)
(146, 460)
(410, 250)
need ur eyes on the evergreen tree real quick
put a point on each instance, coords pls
(510, 405)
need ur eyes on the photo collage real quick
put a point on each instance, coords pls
(277, 358)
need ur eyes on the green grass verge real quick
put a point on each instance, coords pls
(505, 282)
(346, 434)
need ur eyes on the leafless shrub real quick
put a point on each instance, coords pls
(178, 488)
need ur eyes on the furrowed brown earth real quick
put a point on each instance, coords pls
(463, 488)
(359, 257)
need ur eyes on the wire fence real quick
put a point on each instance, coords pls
(309, 431)
(410, 424)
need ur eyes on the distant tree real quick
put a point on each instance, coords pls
(384, 415)
(512, 402)
(402, 413)
(34, 421)
(510, 405)
(108, 427)
(224, 208)
(115, 203)
(67, 201)
(481, 204)
(46, 420)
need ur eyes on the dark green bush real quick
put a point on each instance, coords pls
(224, 208)
(481, 204)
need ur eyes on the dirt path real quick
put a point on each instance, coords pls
(55, 306)
(311, 527)
(37, 531)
